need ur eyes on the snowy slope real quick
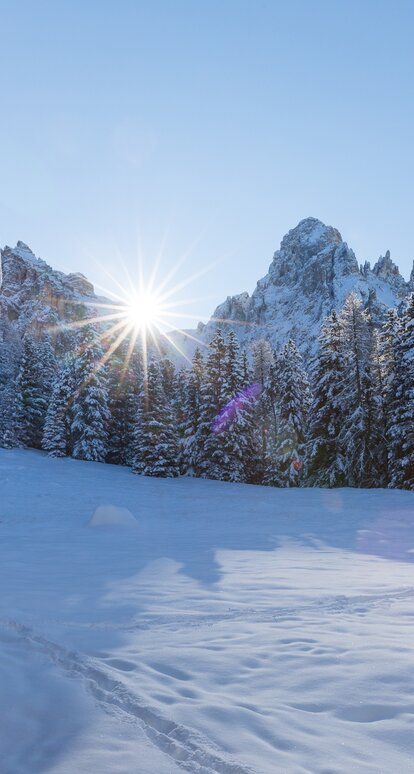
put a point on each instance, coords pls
(209, 628)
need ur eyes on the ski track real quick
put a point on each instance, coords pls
(187, 748)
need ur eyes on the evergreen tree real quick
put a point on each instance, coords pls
(286, 459)
(233, 368)
(235, 424)
(401, 432)
(156, 443)
(192, 413)
(90, 405)
(209, 451)
(390, 346)
(325, 466)
(168, 377)
(263, 375)
(8, 435)
(360, 433)
(124, 385)
(10, 355)
(57, 435)
(33, 389)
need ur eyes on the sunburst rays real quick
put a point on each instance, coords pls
(142, 313)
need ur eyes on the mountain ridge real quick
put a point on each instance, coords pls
(312, 272)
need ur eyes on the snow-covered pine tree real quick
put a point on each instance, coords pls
(269, 409)
(286, 459)
(168, 377)
(233, 368)
(124, 384)
(361, 433)
(156, 443)
(33, 389)
(236, 425)
(192, 413)
(380, 399)
(8, 436)
(57, 435)
(247, 375)
(390, 347)
(178, 405)
(262, 356)
(325, 461)
(89, 426)
(209, 448)
(10, 354)
(401, 432)
(262, 364)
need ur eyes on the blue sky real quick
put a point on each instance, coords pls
(204, 127)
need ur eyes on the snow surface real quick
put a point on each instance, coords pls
(237, 629)
(112, 516)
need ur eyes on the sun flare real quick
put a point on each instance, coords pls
(144, 311)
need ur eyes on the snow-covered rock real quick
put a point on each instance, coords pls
(32, 293)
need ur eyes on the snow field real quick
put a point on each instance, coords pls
(235, 629)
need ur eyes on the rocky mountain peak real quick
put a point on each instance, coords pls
(385, 267)
(313, 271)
(310, 235)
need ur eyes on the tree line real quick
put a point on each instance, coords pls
(256, 417)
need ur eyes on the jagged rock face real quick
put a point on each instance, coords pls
(313, 272)
(33, 294)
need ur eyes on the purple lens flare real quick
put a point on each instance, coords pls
(241, 400)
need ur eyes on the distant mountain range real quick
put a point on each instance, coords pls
(312, 272)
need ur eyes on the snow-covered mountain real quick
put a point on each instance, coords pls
(32, 293)
(313, 271)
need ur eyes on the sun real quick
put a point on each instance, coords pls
(141, 313)
(144, 311)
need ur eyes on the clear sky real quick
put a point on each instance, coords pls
(207, 127)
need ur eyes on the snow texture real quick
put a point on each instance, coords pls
(239, 630)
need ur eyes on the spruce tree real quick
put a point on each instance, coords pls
(286, 463)
(210, 453)
(325, 460)
(156, 443)
(235, 425)
(33, 389)
(57, 434)
(10, 355)
(192, 414)
(264, 374)
(402, 409)
(124, 384)
(90, 406)
(360, 432)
